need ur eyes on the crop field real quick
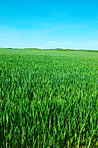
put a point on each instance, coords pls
(48, 99)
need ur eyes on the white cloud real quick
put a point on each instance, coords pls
(4, 39)
(51, 42)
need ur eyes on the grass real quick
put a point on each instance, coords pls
(48, 99)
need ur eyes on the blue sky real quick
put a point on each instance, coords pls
(49, 23)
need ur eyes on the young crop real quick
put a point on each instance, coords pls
(48, 100)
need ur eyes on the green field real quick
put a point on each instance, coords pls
(48, 99)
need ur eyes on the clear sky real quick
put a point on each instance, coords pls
(49, 23)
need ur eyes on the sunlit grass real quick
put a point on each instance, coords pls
(48, 99)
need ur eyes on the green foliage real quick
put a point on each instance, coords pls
(48, 100)
(56, 49)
